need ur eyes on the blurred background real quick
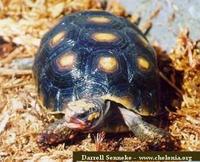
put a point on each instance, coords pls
(168, 17)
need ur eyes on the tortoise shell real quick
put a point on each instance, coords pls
(96, 54)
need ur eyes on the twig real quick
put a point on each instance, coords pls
(15, 86)
(7, 72)
(11, 56)
(170, 83)
(4, 120)
(146, 27)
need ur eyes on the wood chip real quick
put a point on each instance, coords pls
(7, 72)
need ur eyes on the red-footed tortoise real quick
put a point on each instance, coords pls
(99, 71)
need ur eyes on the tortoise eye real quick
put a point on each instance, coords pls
(57, 39)
(66, 61)
(143, 63)
(98, 19)
(108, 64)
(104, 37)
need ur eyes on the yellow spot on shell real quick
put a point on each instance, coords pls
(57, 38)
(126, 101)
(104, 37)
(66, 61)
(143, 63)
(108, 64)
(99, 19)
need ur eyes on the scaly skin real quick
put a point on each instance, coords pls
(79, 117)
(113, 120)
(142, 129)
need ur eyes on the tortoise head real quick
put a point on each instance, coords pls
(87, 114)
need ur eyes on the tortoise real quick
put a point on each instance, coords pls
(101, 73)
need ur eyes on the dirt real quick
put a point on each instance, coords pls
(22, 117)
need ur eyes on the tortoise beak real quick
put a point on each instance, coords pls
(75, 123)
(80, 117)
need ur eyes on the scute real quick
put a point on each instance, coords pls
(117, 39)
(67, 61)
(108, 64)
(57, 38)
(95, 53)
(99, 20)
(83, 20)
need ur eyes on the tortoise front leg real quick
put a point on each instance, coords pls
(55, 133)
(142, 129)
